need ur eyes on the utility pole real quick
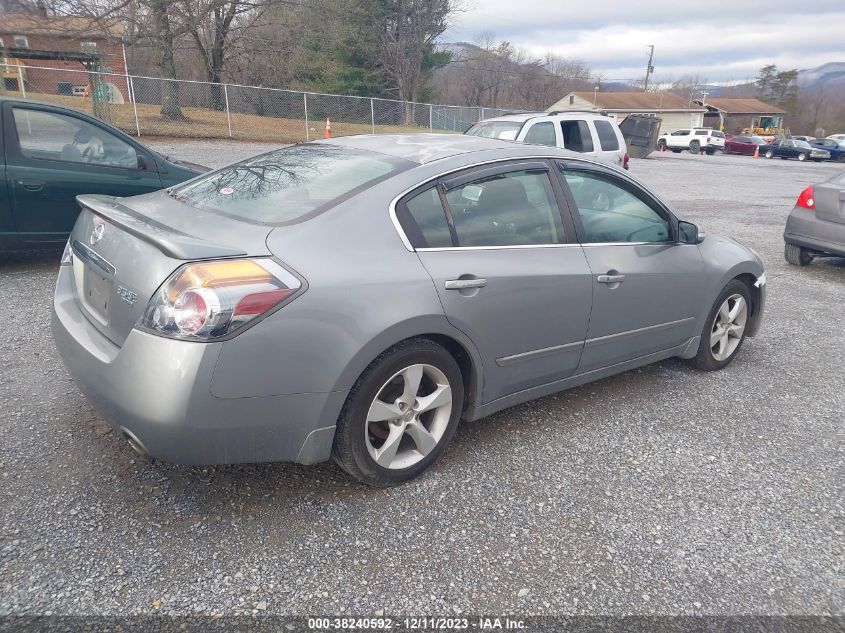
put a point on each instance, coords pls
(649, 69)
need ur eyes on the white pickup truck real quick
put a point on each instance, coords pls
(693, 140)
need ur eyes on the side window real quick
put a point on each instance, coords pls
(576, 136)
(424, 221)
(701, 132)
(517, 208)
(542, 133)
(52, 136)
(607, 136)
(611, 213)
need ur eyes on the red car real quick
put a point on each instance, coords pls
(743, 144)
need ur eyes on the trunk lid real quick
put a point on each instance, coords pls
(830, 199)
(125, 248)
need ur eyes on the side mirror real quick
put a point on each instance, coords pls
(689, 233)
(144, 162)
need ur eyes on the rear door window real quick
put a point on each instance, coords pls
(576, 136)
(607, 136)
(542, 133)
(516, 208)
(290, 184)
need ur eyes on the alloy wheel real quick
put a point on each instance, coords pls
(728, 327)
(408, 417)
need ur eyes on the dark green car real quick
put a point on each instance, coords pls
(50, 154)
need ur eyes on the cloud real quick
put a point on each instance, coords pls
(727, 40)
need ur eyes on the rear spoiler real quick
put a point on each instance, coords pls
(168, 240)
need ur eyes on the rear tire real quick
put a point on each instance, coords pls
(796, 255)
(802, 156)
(694, 147)
(382, 450)
(724, 332)
(841, 158)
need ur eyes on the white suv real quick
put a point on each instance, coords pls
(588, 133)
(693, 140)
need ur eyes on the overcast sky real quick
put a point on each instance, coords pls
(720, 40)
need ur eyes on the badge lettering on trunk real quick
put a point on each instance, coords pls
(127, 295)
(97, 233)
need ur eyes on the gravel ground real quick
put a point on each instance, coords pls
(663, 490)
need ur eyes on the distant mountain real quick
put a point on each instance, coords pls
(832, 73)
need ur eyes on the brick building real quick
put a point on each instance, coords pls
(40, 32)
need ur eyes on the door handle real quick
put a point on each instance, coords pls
(463, 284)
(610, 279)
(32, 185)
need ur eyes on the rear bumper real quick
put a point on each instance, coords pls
(157, 390)
(805, 229)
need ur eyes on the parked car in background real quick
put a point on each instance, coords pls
(506, 272)
(801, 137)
(836, 149)
(694, 140)
(816, 225)
(52, 154)
(743, 144)
(594, 135)
(800, 150)
(837, 137)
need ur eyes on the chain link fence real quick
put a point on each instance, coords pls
(150, 106)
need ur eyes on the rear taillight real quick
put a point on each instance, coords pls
(209, 300)
(67, 256)
(625, 160)
(806, 200)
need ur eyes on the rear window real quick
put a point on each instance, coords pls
(289, 184)
(607, 136)
(504, 130)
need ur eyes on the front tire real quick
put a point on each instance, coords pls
(796, 255)
(661, 146)
(769, 154)
(400, 415)
(725, 327)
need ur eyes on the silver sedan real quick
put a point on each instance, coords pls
(356, 298)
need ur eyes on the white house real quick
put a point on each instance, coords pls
(675, 111)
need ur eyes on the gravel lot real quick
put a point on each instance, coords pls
(662, 490)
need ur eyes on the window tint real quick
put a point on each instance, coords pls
(611, 213)
(424, 221)
(51, 136)
(287, 184)
(718, 134)
(576, 136)
(513, 209)
(607, 136)
(542, 133)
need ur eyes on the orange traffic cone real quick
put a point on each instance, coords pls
(756, 151)
(328, 128)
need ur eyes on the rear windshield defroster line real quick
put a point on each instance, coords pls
(289, 185)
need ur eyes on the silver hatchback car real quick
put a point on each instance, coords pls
(356, 298)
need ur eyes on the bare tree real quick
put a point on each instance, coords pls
(407, 34)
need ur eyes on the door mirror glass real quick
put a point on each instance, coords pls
(689, 233)
(144, 162)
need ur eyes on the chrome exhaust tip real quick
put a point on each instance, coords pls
(134, 442)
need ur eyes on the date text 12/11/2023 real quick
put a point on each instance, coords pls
(428, 623)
